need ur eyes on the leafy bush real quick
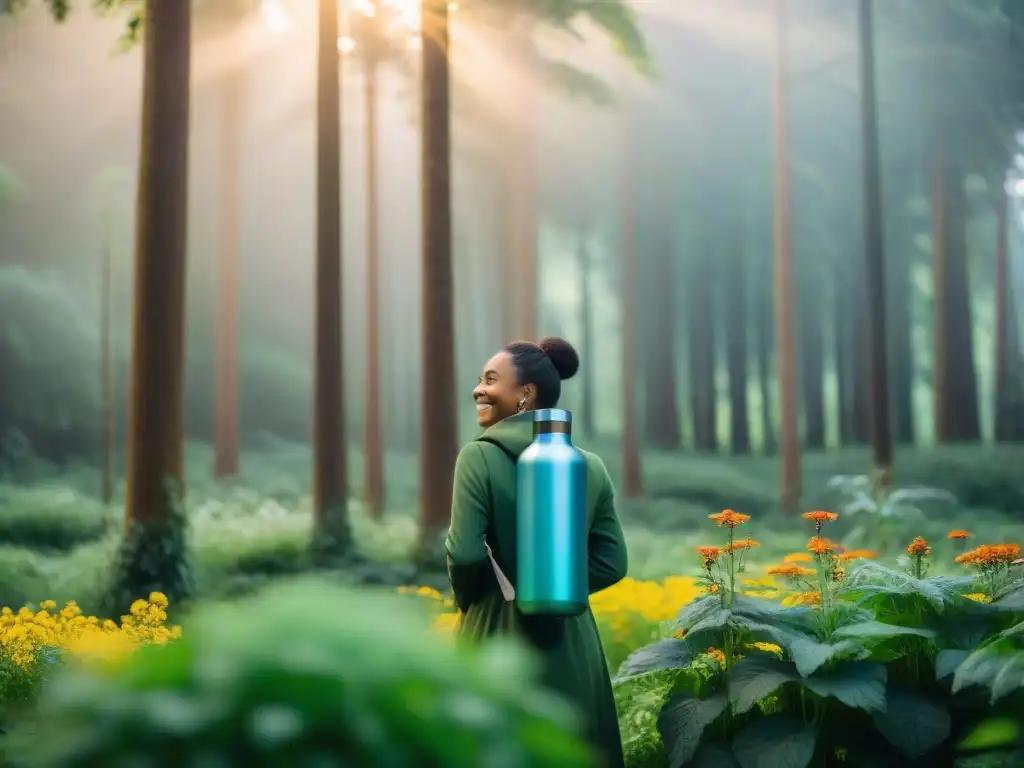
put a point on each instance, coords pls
(51, 369)
(303, 675)
(871, 667)
(51, 519)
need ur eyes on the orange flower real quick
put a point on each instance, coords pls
(713, 589)
(791, 570)
(919, 547)
(821, 546)
(988, 555)
(798, 557)
(742, 544)
(820, 517)
(709, 555)
(857, 554)
(717, 655)
(729, 518)
(958, 534)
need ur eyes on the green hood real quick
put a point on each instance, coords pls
(513, 434)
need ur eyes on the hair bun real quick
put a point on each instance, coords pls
(562, 355)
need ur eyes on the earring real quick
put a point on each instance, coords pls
(522, 406)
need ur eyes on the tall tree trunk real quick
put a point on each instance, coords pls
(812, 364)
(841, 315)
(152, 555)
(764, 329)
(735, 304)
(661, 400)
(373, 448)
(901, 350)
(438, 431)
(330, 465)
(702, 345)
(584, 269)
(519, 203)
(225, 366)
(632, 477)
(874, 257)
(785, 301)
(954, 383)
(860, 419)
(109, 423)
(1001, 417)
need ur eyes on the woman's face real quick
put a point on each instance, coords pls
(497, 394)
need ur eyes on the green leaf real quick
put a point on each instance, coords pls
(865, 629)
(913, 724)
(714, 756)
(947, 661)
(993, 733)
(715, 621)
(761, 609)
(572, 81)
(870, 577)
(756, 677)
(682, 722)
(777, 741)
(809, 655)
(857, 684)
(670, 653)
(698, 610)
(998, 667)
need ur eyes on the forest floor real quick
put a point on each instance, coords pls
(57, 539)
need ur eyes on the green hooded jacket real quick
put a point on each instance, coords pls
(484, 513)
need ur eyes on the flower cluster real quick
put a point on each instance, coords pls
(27, 634)
(990, 555)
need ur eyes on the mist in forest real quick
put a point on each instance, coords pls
(695, 138)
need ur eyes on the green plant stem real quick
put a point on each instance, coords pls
(917, 566)
(823, 578)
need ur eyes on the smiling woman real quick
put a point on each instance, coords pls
(524, 376)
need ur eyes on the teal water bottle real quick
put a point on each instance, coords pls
(551, 518)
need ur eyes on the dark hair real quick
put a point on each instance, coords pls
(545, 365)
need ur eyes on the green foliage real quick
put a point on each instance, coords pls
(154, 559)
(45, 519)
(304, 675)
(48, 348)
(886, 669)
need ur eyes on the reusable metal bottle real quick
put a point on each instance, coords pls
(551, 518)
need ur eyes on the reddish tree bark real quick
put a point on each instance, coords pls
(330, 465)
(632, 479)
(954, 381)
(225, 367)
(785, 301)
(438, 431)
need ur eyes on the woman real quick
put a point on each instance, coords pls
(520, 378)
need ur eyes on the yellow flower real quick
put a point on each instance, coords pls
(23, 635)
(803, 598)
(767, 648)
(978, 597)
